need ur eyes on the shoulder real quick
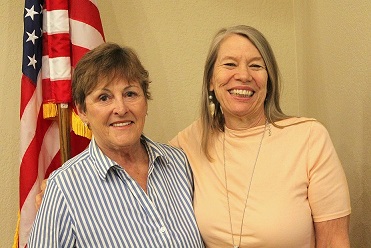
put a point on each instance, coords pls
(301, 123)
(191, 135)
(292, 121)
(164, 150)
(71, 165)
(302, 129)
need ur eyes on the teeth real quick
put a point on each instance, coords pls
(244, 93)
(121, 124)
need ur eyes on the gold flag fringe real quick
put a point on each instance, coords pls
(16, 234)
(79, 127)
(49, 110)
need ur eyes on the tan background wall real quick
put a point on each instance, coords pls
(323, 49)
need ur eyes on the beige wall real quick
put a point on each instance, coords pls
(323, 50)
(334, 72)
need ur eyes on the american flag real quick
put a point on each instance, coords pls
(57, 33)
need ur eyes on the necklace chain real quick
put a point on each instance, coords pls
(248, 189)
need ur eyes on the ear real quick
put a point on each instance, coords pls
(82, 113)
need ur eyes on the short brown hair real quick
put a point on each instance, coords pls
(109, 61)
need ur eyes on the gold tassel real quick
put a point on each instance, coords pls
(49, 110)
(16, 235)
(79, 127)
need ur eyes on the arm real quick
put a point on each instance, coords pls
(328, 192)
(53, 226)
(332, 233)
(40, 195)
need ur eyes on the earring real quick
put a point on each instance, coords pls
(211, 106)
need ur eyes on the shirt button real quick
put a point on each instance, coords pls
(162, 229)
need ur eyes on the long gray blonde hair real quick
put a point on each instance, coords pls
(212, 124)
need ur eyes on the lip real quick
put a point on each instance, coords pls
(243, 92)
(121, 123)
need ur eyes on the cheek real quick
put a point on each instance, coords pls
(221, 79)
(142, 109)
(262, 81)
(218, 79)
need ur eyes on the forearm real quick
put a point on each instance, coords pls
(333, 233)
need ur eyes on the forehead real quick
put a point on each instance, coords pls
(236, 46)
(107, 82)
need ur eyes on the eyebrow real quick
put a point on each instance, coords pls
(251, 59)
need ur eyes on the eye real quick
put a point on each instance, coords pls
(230, 64)
(257, 67)
(131, 94)
(103, 97)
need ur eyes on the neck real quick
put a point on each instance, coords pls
(134, 160)
(132, 155)
(245, 122)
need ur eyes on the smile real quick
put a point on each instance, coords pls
(121, 124)
(241, 93)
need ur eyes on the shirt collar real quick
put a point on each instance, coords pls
(103, 164)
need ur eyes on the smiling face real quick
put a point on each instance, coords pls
(239, 82)
(116, 114)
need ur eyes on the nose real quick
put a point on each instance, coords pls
(120, 107)
(243, 74)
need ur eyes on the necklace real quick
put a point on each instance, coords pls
(248, 189)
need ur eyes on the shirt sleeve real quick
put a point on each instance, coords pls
(53, 226)
(328, 192)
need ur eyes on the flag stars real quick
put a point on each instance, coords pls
(33, 61)
(32, 37)
(31, 12)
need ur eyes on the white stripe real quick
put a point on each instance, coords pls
(45, 69)
(49, 148)
(55, 21)
(81, 30)
(29, 118)
(56, 68)
(28, 213)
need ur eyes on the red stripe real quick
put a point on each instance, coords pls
(58, 91)
(79, 144)
(77, 53)
(29, 163)
(28, 89)
(55, 5)
(56, 45)
(48, 95)
(62, 91)
(85, 11)
(54, 164)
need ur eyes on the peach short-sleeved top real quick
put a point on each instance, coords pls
(298, 179)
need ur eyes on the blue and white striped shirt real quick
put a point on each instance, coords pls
(92, 202)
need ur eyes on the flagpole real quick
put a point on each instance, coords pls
(64, 131)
